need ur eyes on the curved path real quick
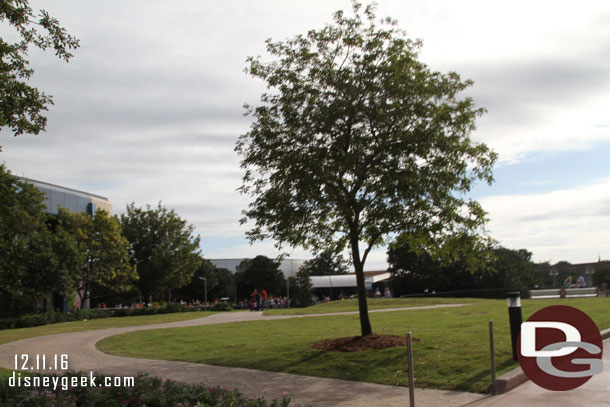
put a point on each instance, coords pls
(315, 391)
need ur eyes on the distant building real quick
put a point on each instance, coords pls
(335, 285)
(71, 199)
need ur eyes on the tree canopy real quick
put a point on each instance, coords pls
(601, 272)
(219, 283)
(102, 252)
(497, 271)
(357, 141)
(21, 228)
(260, 273)
(164, 248)
(326, 264)
(22, 104)
(303, 294)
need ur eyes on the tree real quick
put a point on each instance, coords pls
(601, 271)
(303, 295)
(22, 231)
(413, 273)
(326, 264)
(512, 269)
(52, 257)
(164, 248)
(261, 273)
(497, 270)
(22, 105)
(219, 284)
(357, 142)
(103, 253)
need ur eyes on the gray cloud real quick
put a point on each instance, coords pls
(523, 92)
(150, 107)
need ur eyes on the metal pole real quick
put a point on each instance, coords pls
(410, 368)
(493, 356)
(515, 319)
(288, 292)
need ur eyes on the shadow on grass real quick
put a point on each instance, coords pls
(480, 376)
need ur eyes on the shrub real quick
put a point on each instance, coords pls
(30, 320)
(176, 307)
(222, 306)
(147, 391)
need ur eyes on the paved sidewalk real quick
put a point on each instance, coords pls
(306, 390)
(596, 392)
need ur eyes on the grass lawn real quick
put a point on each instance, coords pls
(451, 352)
(10, 335)
(378, 303)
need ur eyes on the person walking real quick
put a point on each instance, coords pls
(258, 301)
(566, 284)
(254, 300)
(264, 299)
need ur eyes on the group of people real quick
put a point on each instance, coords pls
(386, 293)
(260, 301)
(567, 283)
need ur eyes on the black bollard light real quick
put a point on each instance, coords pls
(515, 317)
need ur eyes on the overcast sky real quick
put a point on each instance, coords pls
(150, 107)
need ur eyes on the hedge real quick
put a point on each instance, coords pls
(52, 317)
(147, 392)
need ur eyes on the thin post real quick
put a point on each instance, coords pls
(493, 356)
(410, 368)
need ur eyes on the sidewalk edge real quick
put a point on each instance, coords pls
(516, 377)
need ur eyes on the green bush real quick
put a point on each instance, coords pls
(176, 308)
(7, 324)
(123, 312)
(222, 306)
(30, 320)
(147, 391)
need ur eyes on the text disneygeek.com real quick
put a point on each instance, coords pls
(65, 382)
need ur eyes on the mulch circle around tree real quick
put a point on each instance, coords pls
(360, 343)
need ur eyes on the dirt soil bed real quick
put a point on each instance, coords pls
(360, 343)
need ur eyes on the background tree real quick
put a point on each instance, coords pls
(52, 257)
(358, 141)
(22, 105)
(261, 273)
(164, 248)
(414, 273)
(326, 264)
(302, 296)
(498, 270)
(511, 269)
(220, 284)
(601, 271)
(22, 227)
(103, 252)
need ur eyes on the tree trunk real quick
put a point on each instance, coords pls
(365, 324)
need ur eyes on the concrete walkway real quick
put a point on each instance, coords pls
(596, 392)
(306, 390)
